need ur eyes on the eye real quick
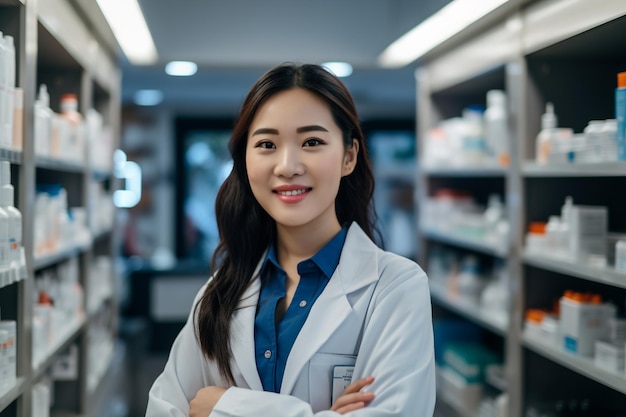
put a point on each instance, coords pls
(312, 142)
(265, 144)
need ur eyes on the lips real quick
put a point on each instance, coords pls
(291, 193)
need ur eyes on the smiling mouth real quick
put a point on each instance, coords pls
(293, 192)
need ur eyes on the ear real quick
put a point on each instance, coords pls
(349, 158)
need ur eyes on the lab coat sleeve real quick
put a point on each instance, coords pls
(182, 376)
(397, 349)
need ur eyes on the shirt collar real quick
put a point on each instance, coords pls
(326, 258)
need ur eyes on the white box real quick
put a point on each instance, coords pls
(582, 324)
(609, 356)
(588, 233)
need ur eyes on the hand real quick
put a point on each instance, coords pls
(202, 404)
(352, 397)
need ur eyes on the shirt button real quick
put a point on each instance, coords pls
(303, 303)
(268, 354)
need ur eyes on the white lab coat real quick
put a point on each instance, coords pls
(375, 297)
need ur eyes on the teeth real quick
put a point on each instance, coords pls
(291, 193)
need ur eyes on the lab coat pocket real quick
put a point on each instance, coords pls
(321, 368)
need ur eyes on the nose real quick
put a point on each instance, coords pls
(288, 162)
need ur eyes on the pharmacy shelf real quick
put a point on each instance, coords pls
(534, 53)
(12, 394)
(59, 165)
(582, 270)
(469, 309)
(46, 260)
(471, 172)
(582, 365)
(64, 339)
(604, 169)
(11, 155)
(467, 242)
(59, 44)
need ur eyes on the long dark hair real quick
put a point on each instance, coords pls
(245, 229)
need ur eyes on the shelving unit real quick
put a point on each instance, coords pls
(567, 52)
(70, 49)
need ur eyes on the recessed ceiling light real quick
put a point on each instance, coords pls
(148, 97)
(181, 68)
(340, 69)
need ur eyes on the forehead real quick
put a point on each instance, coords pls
(295, 105)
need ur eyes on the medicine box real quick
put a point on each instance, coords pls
(588, 233)
(582, 323)
(609, 356)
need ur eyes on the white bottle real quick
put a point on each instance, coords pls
(593, 137)
(609, 140)
(10, 327)
(18, 118)
(5, 260)
(620, 256)
(4, 361)
(9, 92)
(497, 133)
(4, 81)
(545, 138)
(43, 122)
(7, 196)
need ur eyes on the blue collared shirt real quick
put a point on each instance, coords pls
(273, 341)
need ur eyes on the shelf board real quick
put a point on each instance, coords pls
(469, 309)
(582, 270)
(473, 244)
(582, 365)
(12, 394)
(549, 23)
(56, 164)
(604, 169)
(485, 171)
(66, 339)
(47, 260)
(11, 155)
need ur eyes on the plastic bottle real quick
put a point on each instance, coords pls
(620, 115)
(43, 121)
(474, 148)
(7, 117)
(7, 196)
(497, 133)
(18, 118)
(4, 81)
(71, 144)
(609, 140)
(620, 256)
(593, 137)
(546, 135)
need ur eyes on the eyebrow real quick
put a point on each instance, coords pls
(303, 129)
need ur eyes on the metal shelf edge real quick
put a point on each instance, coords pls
(12, 394)
(579, 364)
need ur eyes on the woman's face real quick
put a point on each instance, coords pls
(295, 158)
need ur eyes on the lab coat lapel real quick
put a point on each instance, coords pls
(242, 333)
(357, 268)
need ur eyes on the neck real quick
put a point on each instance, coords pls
(298, 243)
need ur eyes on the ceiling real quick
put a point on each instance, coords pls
(235, 41)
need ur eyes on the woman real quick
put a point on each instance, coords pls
(304, 315)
